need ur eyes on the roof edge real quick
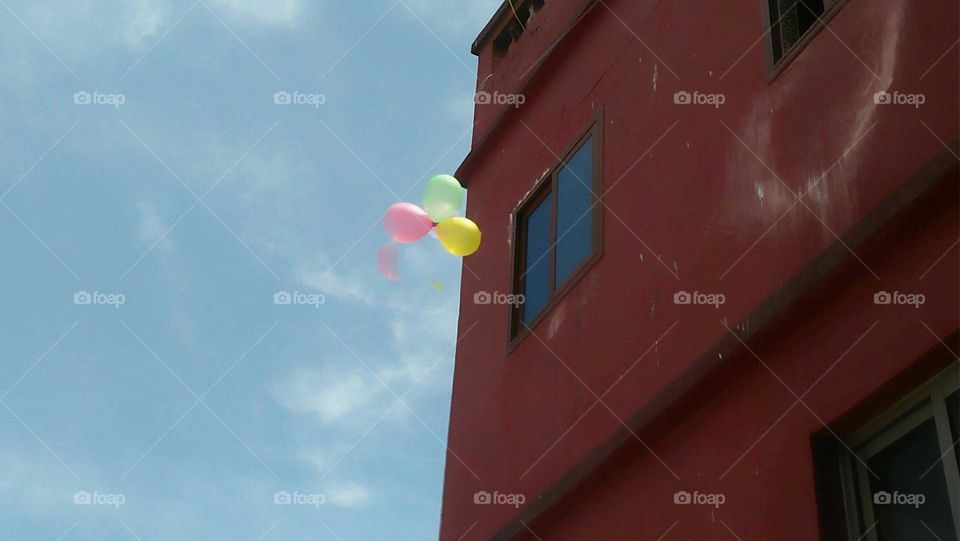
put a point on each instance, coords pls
(494, 22)
(480, 144)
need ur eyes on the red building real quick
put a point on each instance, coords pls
(734, 227)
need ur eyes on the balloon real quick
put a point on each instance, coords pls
(406, 222)
(459, 236)
(433, 232)
(387, 262)
(443, 197)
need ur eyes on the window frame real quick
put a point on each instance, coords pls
(517, 330)
(777, 66)
(924, 403)
(506, 36)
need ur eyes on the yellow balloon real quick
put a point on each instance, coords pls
(459, 236)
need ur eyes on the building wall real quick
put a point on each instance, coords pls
(705, 191)
(743, 434)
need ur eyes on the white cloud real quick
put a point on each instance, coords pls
(143, 20)
(81, 31)
(152, 227)
(418, 337)
(263, 12)
(322, 459)
(31, 484)
(349, 495)
(330, 394)
(337, 286)
(421, 335)
(87, 28)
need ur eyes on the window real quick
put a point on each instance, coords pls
(557, 231)
(903, 483)
(792, 23)
(521, 14)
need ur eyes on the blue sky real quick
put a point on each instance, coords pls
(183, 190)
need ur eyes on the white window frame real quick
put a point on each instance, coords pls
(926, 402)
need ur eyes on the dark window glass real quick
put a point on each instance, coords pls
(555, 232)
(902, 469)
(790, 20)
(574, 212)
(523, 14)
(953, 410)
(536, 267)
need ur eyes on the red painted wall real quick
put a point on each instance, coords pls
(706, 193)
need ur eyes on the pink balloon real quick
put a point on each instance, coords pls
(406, 222)
(387, 262)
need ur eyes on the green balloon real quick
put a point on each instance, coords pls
(443, 198)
